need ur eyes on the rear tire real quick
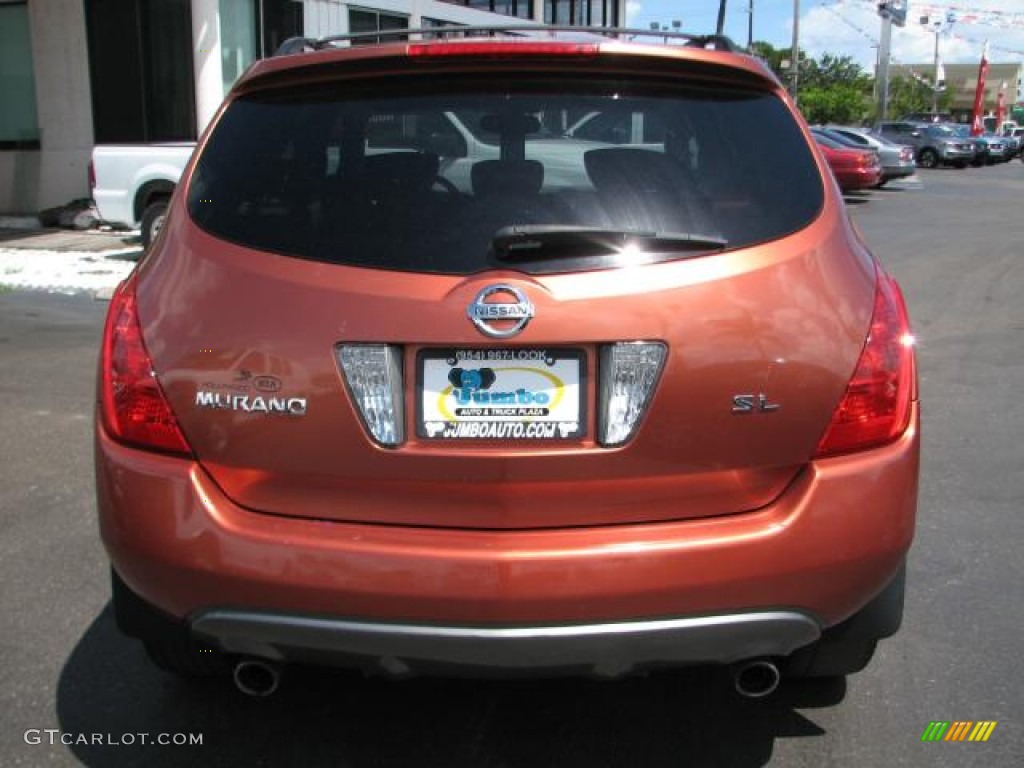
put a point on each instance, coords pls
(152, 220)
(848, 647)
(168, 642)
(928, 158)
(185, 656)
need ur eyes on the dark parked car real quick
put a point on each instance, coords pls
(988, 148)
(600, 409)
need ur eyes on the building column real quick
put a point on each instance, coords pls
(56, 173)
(209, 80)
(538, 10)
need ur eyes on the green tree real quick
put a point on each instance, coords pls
(772, 56)
(834, 90)
(834, 71)
(908, 95)
(835, 104)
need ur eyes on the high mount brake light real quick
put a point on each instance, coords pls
(876, 407)
(504, 48)
(134, 408)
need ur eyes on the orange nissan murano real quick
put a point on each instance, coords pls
(518, 354)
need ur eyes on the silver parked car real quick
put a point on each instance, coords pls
(897, 159)
(934, 143)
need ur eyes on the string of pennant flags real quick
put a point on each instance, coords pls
(943, 11)
(962, 14)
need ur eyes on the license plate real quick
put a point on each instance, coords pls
(501, 394)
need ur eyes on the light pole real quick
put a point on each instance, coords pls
(750, 25)
(794, 61)
(892, 12)
(938, 27)
(882, 75)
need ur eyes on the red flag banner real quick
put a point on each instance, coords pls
(977, 127)
(1001, 108)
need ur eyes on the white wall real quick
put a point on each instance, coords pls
(31, 180)
(330, 17)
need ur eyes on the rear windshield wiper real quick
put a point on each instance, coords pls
(560, 241)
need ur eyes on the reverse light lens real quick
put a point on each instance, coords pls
(134, 407)
(876, 407)
(373, 373)
(629, 372)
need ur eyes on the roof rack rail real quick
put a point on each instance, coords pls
(295, 45)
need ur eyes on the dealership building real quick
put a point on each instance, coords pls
(74, 73)
(962, 83)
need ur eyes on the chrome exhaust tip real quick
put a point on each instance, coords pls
(756, 679)
(256, 677)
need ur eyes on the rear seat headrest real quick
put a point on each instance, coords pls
(507, 177)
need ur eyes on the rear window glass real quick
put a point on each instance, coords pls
(398, 180)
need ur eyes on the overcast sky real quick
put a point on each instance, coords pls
(851, 27)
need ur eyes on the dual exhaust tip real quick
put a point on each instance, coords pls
(755, 679)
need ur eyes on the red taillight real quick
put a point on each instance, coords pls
(876, 407)
(134, 407)
(504, 48)
(92, 176)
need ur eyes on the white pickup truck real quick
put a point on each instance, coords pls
(132, 184)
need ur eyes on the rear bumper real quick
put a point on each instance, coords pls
(956, 155)
(858, 178)
(114, 206)
(604, 650)
(283, 586)
(898, 171)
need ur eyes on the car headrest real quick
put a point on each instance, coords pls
(638, 168)
(507, 177)
(418, 169)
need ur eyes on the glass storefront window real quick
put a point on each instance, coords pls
(242, 22)
(374, 21)
(238, 40)
(521, 9)
(19, 124)
(591, 13)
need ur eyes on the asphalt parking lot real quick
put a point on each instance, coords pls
(957, 247)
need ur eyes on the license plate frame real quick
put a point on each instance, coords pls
(521, 394)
